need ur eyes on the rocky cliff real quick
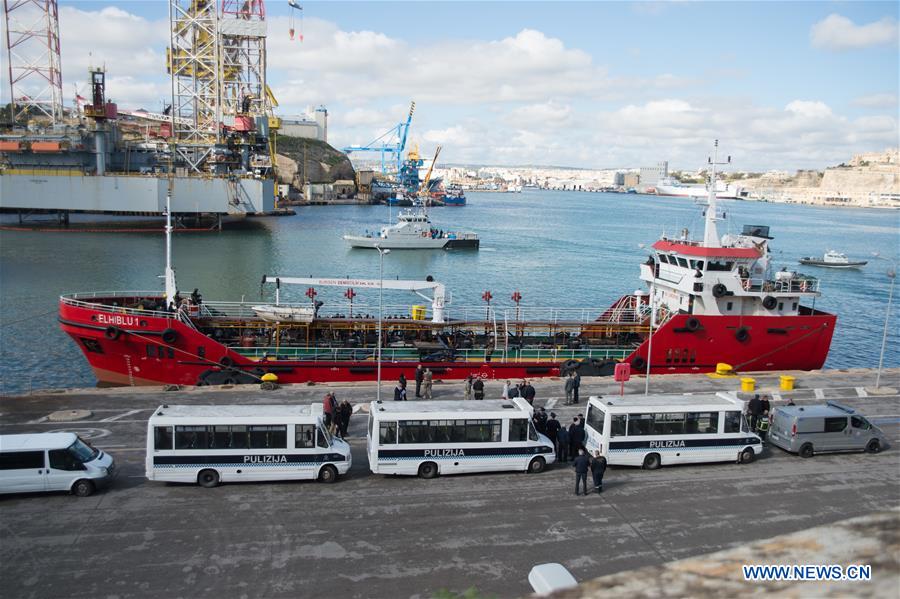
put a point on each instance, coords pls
(323, 163)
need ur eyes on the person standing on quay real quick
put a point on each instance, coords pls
(419, 377)
(576, 436)
(553, 427)
(505, 394)
(562, 445)
(328, 409)
(427, 380)
(582, 465)
(402, 381)
(468, 387)
(345, 410)
(528, 392)
(570, 387)
(577, 387)
(598, 468)
(478, 388)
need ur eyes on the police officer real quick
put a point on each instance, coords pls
(598, 468)
(582, 465)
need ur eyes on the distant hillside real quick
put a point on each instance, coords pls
(324, 164)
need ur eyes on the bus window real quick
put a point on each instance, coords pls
(387, 433)
(268, 436)
(595, 418)
(518, 429)
(732, 422)
(305, 436)
(668, 424)
(617, 426)
(701, 423)
(162, 437)
(640, 424)
(191, 437)
(238, 439)
(413, 431)
(442, 430)
(323, 439)
(483, 431)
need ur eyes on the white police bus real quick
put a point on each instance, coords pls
(652, 430)
(450, 437)
(213, 444)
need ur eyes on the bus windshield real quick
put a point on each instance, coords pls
(82, 451)
(326, 436)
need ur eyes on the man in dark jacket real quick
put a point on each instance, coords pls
(528, 392)
(598, 468)
(562, 445)
(576, 436)
(420, 376)
(553, 427)
(754, 407)
(402, 381)
(577, 387)
(582, 465)
(478, 388)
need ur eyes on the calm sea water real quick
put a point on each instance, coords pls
(562, 249)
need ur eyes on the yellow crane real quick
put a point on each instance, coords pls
(423, 188)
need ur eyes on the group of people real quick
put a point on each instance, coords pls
(522, 389)
(759, 411)
(424, 382)
(337, 415)
(573, 383)
(474, 386)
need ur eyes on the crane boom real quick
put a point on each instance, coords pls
(424, 187)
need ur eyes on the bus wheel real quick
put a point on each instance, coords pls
(806, 450)
(651, 461)
(428, 470)
(208, 479)
(873, 446)
(328, 474)
(747, 455)
(83, 488)
(537, 465)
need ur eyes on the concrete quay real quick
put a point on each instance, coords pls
(375, 536)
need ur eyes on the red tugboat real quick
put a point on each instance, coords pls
(709, 301)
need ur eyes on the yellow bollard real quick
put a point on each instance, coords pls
(270, 377)
(723, 369)
(748, 384)
(787, 382)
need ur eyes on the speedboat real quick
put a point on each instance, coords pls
(277, 313)
(833, 259)
(414, 231)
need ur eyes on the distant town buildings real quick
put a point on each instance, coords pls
(651, 175)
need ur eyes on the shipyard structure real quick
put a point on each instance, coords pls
(210, 149)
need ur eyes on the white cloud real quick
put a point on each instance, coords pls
(877, 101)
(836, 32)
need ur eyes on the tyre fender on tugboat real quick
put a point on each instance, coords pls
(719, 290)
(638, 363)
(742, 334)
(769, 302)
(692, 323)
(112, 333)
(169, 336)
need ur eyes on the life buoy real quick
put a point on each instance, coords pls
(746, 284)
(742, 334)
(692, 324)
(769, 302)
(638, 363)
(112, 333)
(719, 290)
(170, 336)
(802, 285)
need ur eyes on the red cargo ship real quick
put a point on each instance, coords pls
(708, 301)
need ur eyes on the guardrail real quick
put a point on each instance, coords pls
(410, 354)
(79, 300)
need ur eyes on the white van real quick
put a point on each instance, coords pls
(52, 462)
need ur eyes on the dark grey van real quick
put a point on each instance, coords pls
(806, 430)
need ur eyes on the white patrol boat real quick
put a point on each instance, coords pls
(414, 231)
(833, 259)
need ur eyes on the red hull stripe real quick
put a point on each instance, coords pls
(695, 250)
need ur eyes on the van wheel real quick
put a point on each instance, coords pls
(208, 479)
(652, 461)
(537, 465)
(873, 446)
(328, 474)
(428, 470)
(747, 455)
(83, 488)
(806, 450)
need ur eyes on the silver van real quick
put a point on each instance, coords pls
(52, 462)
(806, 430)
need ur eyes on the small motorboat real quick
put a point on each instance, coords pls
(285, 313)
(833, 259)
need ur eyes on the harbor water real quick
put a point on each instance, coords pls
(557, 248)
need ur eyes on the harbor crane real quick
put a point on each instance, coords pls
(385, 144)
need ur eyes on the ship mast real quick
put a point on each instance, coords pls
(710, 233)
(169, 276)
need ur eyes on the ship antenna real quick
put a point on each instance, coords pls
(710, 233)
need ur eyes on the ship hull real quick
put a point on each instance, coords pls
(135, 349)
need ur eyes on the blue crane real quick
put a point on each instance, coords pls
(387, 144)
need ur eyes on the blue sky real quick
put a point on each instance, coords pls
(785, 84)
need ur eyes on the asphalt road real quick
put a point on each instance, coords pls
(374, 536)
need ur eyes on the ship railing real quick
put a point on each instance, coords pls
(82, 300)
(413, 355)
(796, 284)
